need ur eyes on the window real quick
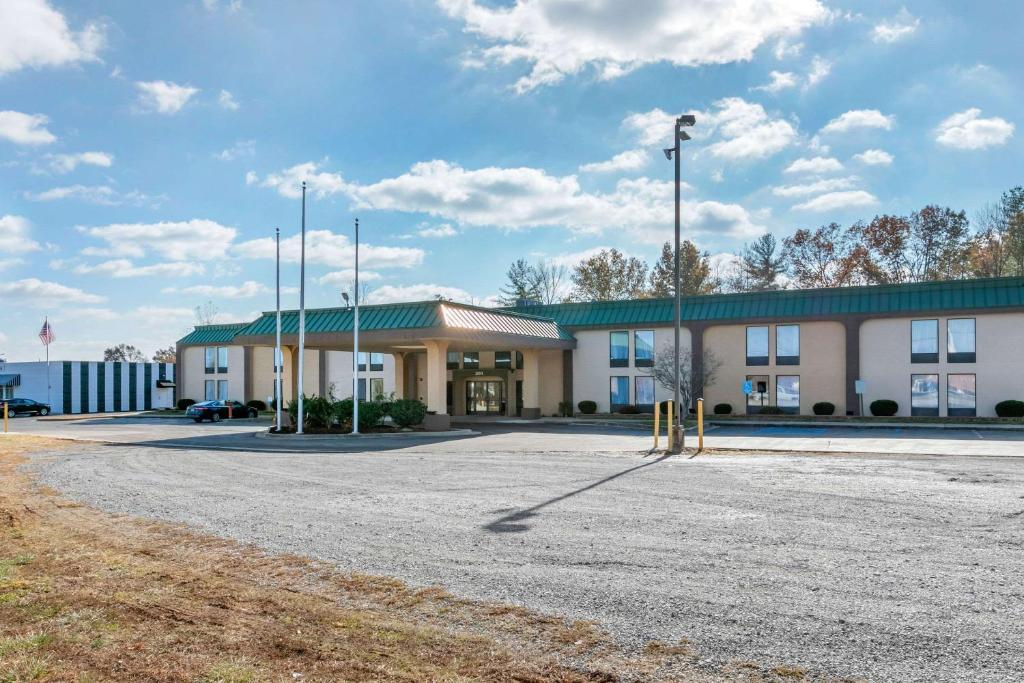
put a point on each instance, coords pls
(758, 396)
(924, 341)
(222, 359)
(279, 358)
(643, 348)
(961, 396)
(361, 388)
(376, 362)
(619, 393)
(960, 339)
(618, 349)
(519, 359)
(924, 395)
(787, 345)
(757, 346)
(362, 361)
(503, 359)
(210, 390)
(211, 359)
(222, 390)
(376, 388)
(6, 392)
(787, 393)
(471, 359)
(644, 390)
(453, 360)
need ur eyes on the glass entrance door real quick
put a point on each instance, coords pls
(485, 397)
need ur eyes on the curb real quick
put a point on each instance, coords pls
(345, 437)
(868, 425)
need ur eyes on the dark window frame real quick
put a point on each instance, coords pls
(471, 360)
(787, 360)
(923, 357)
(926, 412)
(210, 359)
(962, 412)
(222, 369)
(449, 363)
(788, 410)
(757, 361)
(612, 406)
(374, 366)
(618, 362)
(962, 356)
(639, 362)
(362, 358)
(505, 362)
(643, 407)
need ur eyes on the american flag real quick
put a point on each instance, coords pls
(46, 334)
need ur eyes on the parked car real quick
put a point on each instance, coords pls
(16, 406)
(215, 411)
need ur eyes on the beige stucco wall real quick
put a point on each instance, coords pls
(822, 368)
(886, 367)
(339, 373)
(591, 375)
(194, 374)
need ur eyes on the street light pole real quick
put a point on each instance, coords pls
(678, 136)
(302, 314)
(355, 344)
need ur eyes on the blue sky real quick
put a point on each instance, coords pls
(147, 151)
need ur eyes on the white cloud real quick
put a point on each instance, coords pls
(820, 68)
(241, 148)
(838, 200)
(34, 35)
(164, 97)
(630, 160)
(247, 289)
(814, 165)
(421, 292)
(327, 248)
(569, 260)
(743, 130)
(155, 315)
(825, 185)
(197, 239)
(443, 230)
(288, 182)
(858, 118)
(784, 49)
(967, 130)
(65, 163)
(874, 157)
(10, 263)
(35, 292)
(96, 194)
(25, 129)
(903, 25)
(560, 40)
(122, 268)
(346, 277)
(781, 80)
(227, 101)
(14, 236)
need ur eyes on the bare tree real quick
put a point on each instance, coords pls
(552, 282)
(206, 313)
(663, 371)
(826, 257)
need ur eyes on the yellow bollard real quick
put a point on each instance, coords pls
(700, 424)
(657, 425)
(5, 417)
(668, 423)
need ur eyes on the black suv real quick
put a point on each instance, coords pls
(16, 406)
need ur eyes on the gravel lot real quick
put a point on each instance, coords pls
(867, 567)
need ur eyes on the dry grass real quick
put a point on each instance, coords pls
(87, 596)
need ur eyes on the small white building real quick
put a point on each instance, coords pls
(90, 386)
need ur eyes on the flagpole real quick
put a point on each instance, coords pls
(46, 324)
(278, 357)
(302, 309)
(355, 342)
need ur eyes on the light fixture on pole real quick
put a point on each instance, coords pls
(278, 356)
(302, 311)
(355, 343)
(679, 135)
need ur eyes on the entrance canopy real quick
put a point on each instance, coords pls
(394, 328)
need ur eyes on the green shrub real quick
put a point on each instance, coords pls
(565, 408)
(184, 403)
(370, 414)
(343, 413)
(1010, 409)
(723, 409)
(824, 408)
(408, 412)
(884, 407)
(628, 410)
(771, 410)
(587, 407)
(257, 404)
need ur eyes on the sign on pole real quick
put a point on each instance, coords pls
(748, 387)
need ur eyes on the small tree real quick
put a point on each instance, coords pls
(663, 371)
(523, 284)
(125, 353)
(167, 355)
(760, 266)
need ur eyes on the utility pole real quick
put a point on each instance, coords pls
(355, 345)
(278, 356)
(302, 310)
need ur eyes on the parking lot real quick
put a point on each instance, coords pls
(864, 566)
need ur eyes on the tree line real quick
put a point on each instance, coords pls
(934, 243)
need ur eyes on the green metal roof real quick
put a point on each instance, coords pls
(212, 334)
(920, 297)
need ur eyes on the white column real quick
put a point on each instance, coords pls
(437, 376)
(531, 384)
(399, 360)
